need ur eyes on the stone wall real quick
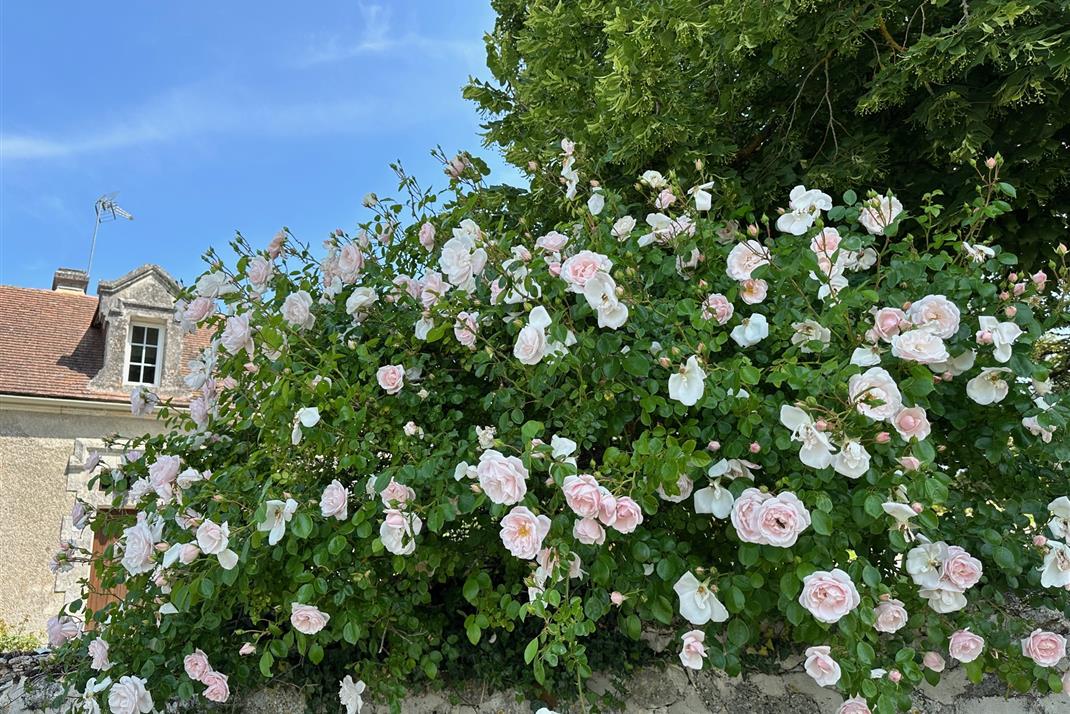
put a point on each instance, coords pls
(671, 690)
(41, 458)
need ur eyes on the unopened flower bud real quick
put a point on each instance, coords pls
(984, 337)
(1013, 277)
(885, 597)
(1010, 311)
(1004, 295)
(664, 361)
(713, 446)
(161, 547)
(883, 437)
(1040, 541)
(755, 447)
(990, 162)
(752, 230)
(917, 507)
(475, 488)
(616, 598)
(218, 498)
(906, 305)
(821, 425)
(533, 166)
(1061, 249)
(894, 676)
(947, 376)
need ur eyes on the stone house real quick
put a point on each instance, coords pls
(68, 362)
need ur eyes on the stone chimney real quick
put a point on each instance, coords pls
(70, 280)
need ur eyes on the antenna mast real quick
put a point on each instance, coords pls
(106, 209)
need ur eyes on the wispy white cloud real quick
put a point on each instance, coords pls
(196, 111)
(377, 36)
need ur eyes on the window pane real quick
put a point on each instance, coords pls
(150, 355)
(152, 336)
(148, 374)
(138, 334)
(134, 375)
(137, 353)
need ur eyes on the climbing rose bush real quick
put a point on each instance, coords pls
(478, 441)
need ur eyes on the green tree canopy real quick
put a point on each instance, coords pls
(769, 94)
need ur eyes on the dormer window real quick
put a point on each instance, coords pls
(144, 354)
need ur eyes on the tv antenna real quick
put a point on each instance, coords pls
(107, 210)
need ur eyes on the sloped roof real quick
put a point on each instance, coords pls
(50, 346)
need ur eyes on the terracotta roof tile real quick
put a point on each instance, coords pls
(49, 346)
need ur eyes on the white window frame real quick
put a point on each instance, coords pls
(161, 346)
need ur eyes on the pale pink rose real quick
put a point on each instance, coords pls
(910, 463)
(829, 595)
(589, 532)
(616, 598)
(890, 616)
(350, 262)
(237, 335)
(960, 568)
(745, 511)
(247, 649)
(189, 553)
(297, 309)
(275, 246)
(717, 307)
(61, 629)
(937, 313)
(217, 689)
(139, 546)
(522, 532)
(503, 478)
(98, 650)
(552, 242)
(664, 199)
(965, 646)
(744, 258)
(162, 474)
(554, 267)
(684, 487)
(307, 619)
(466, 327)
(213, 538)
(196, 665)
(391, 378)
(432, 289)
(583, 266)
(395, 494)
(129, 696)
(922, 346)
(1040, 279)
(629, 515)
(854, 705)
(199, 309)
(259, 272)
(821, 667)
(1018, 289)
(1045, 648)
(753, 291)
(826, 243)
(427, 237)
(933, 660)
(693, 649)
(781, 519)
(875, 394)
(583, 495)
(607, 506)
(888, 322)
(912, 422)
(334, 501)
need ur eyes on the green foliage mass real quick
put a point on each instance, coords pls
(896, 93)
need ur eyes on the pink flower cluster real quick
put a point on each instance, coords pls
(943, 574)
(769, 520)
(199, 670)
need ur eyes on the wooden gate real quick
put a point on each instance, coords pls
(98, 596)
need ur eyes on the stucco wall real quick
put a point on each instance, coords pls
(41, 455)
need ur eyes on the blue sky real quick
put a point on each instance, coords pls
(215, 117)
